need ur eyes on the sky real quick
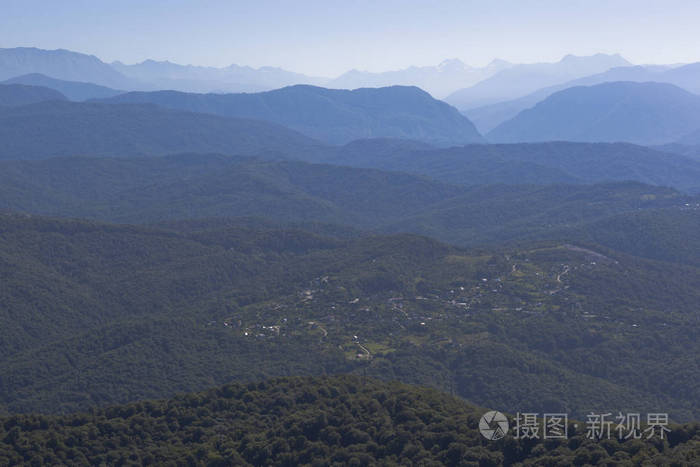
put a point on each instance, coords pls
(329, 37)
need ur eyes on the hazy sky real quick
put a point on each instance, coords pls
(328, 37)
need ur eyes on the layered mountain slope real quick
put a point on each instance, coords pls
(200, 187)
(440, 81)
(55, 128)
(332, 115)
(14, 95)
(643, 113)
(534, 163)
(233, 78)
(73, 90)
(488, 117)
(60, 64)
(520, 80)
(686, 77)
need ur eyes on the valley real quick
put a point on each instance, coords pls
(326, 305)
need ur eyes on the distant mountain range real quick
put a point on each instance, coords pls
(520, 80)
(450, 77)
(643, 113)
(440, 80)
(149, 75)
(233, 78)
(61, 64)
(686, 77)
(73, 90)
(486, 118)
(332, 115)
(140, 125)
(493, 103)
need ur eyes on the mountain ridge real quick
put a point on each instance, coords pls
(55, 128)
(73, 90)
(520, 80)
(488, 117)
(232, 78)
(525, 163)
(643, 113)
(17, 95)
(331, 115)
(60, 64)
(440, 80)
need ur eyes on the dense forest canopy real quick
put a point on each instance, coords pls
(313, 421)
(99, 314)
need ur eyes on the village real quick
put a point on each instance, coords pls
(333, 313)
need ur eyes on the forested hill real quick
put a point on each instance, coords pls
(643, 113)
(95, 314)
(191, 186)
(311, 421)
(533, 163)
(12, 95)
(55, 128)
(335, 116)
